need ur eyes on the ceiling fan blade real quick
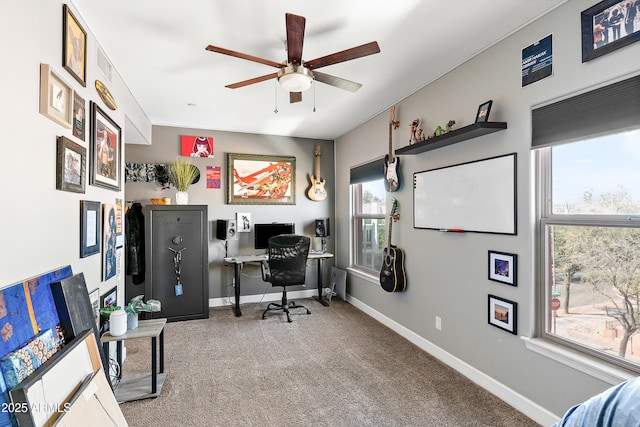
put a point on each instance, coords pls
(233, 53)
(252, 81)
(295, 97)
(295, 37)
(336, 81)
(345, 55)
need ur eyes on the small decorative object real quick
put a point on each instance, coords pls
(118, 323)
(161, 200)
(450, 124)
(502, 267)
(438, 130)
(71, 166)
(596, 38)
(182, 174)
(415, 134)
(105, 150)
(106, 96)
(56, 97)
(136, 305)
(483, 112)
(74, 46)
(503, 314)
(254, 179)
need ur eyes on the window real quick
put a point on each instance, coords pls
(590, 246)
(369, 224)
(368, 212)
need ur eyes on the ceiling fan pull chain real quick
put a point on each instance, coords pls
(314, 98)
(276, 98)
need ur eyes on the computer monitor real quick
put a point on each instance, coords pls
(263, 232)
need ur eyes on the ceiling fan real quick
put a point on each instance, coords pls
(296, 75)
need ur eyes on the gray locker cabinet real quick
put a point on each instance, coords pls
(183, 228)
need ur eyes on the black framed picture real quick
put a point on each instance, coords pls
(608, 26)
(502, 267)
(105, 150)
(71, 166)
(483, 111)
(503, 314)
(90, 231)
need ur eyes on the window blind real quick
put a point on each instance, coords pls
(369, 171)
(608, 109)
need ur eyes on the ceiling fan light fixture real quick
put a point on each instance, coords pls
(295, 78)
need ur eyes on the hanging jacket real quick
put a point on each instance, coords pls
(134, 231)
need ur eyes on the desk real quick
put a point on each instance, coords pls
(136, 387)
(238, 261)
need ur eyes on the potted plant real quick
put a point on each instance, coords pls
(136, 305)
(182, 174)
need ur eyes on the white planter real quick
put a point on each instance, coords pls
(132, 321)
(118, 323)
(182, 198)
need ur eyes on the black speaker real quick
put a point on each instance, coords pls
(323, 227)
(226, 229)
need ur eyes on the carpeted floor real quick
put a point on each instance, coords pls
(335, 367)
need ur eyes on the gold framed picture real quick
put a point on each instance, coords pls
(74, 46)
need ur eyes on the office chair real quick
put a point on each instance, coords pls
(287, 266)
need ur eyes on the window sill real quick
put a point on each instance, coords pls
(370, 277)
(583, 363)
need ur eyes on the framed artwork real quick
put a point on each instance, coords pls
(503, 314)
(109, 232)
(243, 222)
(483, 111)
(74, 46)
(79, 115)
(71, 166)
(196, 146)
(503, 268)
(105, 150)
(608, 26)
(94, 298)
(89, 228)
(261, 179)
(56, 97)
(109, 299)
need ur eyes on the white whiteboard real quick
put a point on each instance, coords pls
(478, 196)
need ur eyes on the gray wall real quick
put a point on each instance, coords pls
(447, 272)
(165, 147)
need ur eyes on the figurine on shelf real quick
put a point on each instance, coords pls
(415, 134)
(438, 131)
(450, 125)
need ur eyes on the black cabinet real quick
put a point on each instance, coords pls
(176, 246)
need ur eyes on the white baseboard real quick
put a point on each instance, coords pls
(268, 297)
(518, 401)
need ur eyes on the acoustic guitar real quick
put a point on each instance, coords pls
(392, 274)
(316, 191)
(391, 163)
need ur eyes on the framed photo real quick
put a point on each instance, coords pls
(605, 27)
(105, 150)
(483, 111)
(503, 268)
(261, 180)
(94, 298)
(74, 46)
(109, 232)
(109, 299)
(71, 166)
(79, 115)
(503, 314)
(89, 228)
(56, 97)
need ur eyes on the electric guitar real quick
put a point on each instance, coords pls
(317, 191)
(391, 163)
(392, 275)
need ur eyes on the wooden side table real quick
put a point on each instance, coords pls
(136, 387)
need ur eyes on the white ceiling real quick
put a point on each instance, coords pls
(158, 47)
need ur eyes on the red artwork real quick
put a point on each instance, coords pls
(196, 146)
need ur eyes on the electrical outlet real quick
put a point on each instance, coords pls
(438, 323)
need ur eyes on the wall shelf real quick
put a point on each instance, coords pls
(452, 137)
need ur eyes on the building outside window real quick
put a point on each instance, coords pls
(369, 225)
(589, 251)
